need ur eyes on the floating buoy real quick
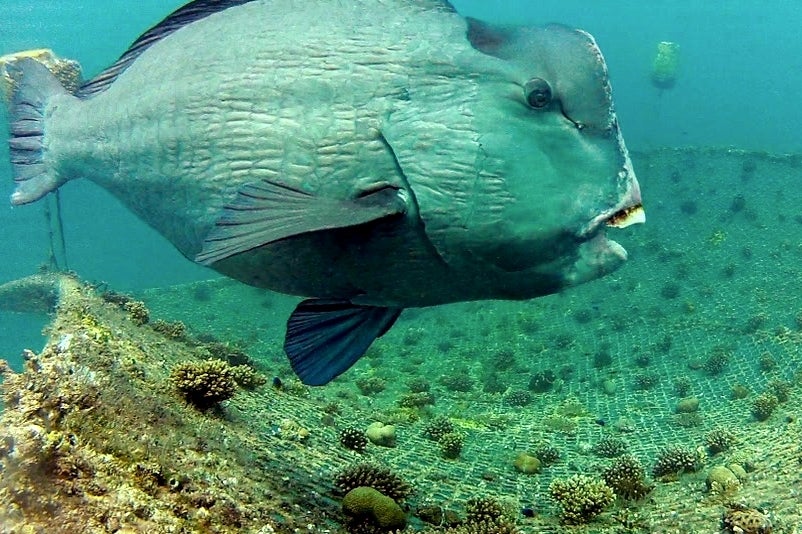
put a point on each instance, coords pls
(665, 65)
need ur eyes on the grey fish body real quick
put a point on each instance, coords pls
(178, 134)
(378, 153)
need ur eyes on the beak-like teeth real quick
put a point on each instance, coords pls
(627, 217)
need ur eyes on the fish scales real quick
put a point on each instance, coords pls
(370, 155)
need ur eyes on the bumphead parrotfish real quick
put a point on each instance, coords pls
(371, 155)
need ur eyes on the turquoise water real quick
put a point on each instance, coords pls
(711, 268)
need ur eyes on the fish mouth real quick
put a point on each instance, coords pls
(599, 255)
(628, 211)
(626, 216)
(614, 218)
(596, 250)
(617, 217)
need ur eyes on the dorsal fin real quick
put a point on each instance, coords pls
(192, 12)
(443, 5)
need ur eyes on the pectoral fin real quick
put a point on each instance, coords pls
(326, 337)
(267, 211)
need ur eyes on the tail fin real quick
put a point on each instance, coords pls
(34, 86)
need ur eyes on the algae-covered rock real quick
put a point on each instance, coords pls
(368, 504)
(380, 434)
(687, 405)
(738, 471)
(608, 387)
(33, 294)
(721, 479)
(67, 71)
(526, 464)
(91, 442)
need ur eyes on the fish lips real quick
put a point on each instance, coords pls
(599, 255)
(628, 211)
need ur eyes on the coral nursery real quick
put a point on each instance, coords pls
(664, 398)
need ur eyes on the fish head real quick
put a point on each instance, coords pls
(538, 165)
(560, 147)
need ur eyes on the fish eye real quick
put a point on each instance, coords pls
(538, 93)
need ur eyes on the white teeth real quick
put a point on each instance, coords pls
(627, 217)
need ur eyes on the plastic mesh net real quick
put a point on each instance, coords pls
(709, 300)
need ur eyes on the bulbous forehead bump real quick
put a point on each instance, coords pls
(571, 61)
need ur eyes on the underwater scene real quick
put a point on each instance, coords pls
(380, 266)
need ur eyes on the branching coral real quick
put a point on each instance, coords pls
(416, 400)
(354, 439)
(676, 460)
(247, 377)
(763, 406)
(484, 515)
(719, 440)
(171, 329)
(743, 520)
(518, 398)
(451, 445)
(498, 526)
(204, 383)
(610, 447)
(547, 454)
(627, 478)
(483, 509)
(373, 476)
(437, 428)
(581, 498)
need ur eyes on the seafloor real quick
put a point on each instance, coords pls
(95, 437)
